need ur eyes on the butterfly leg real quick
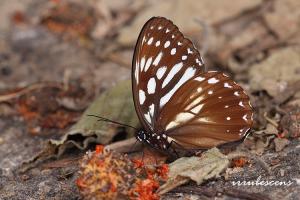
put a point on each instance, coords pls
(173, 150)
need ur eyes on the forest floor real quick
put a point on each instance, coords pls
(57, 57)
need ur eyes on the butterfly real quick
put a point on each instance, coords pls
(177, 101)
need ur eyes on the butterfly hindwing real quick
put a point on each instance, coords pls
(210, 110)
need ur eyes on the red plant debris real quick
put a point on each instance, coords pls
(109, 175)
(18, 17)
(145, 189)
(163, 171)
(138, 163)
(99, 149)
(41, 110)
(239, 162)
(70, 19)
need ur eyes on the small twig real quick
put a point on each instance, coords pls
(262, 163)
(270, 120)
(27, 89)
(61, 163)
(125, 146)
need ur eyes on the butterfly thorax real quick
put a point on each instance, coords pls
(157, 141)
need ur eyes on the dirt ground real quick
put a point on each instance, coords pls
(60, 59)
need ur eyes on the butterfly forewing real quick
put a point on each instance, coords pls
(163, 61)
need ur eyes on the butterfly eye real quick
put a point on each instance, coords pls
(177, 100)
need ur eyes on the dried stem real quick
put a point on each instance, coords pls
(125, 146)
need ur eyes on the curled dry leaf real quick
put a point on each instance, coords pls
(115, 104)
(198, 169)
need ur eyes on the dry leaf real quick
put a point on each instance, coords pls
(276, 72)
(284, 19)
(115, 104)
(280, 143)
(189, 11)
(198, 169)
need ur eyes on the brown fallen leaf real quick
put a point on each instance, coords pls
(198, 169)
(280, 143)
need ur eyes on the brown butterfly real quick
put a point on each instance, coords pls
(177, 100)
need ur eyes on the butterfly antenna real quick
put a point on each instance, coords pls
(111, 121)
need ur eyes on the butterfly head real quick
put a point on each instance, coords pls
(141, 135)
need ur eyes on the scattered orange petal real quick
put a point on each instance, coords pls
(99, 149)
(137, 163)
(163, 171)
(239, 162)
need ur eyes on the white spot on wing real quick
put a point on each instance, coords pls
(157, 59)
(150, 41)
(167, 31)
(195, 102)
(236, 93)
(142, 63)
(167, 44)
(147, 117)
(151, 85)
(142, 97)
(179, 43)
(151, 110)
(228, 118)
(180, 118)
(173, 51)
(199, 78)
(189, 51)
(241, 104)
(245, 117)
(161, 71)
(184, 57)
(188, 74)
(197, 109)
(210, 92)
(212, 80)
(157, 43)
(172, 73)
(136, 73)
(227, 85)
(160, 27)
(148, 64)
